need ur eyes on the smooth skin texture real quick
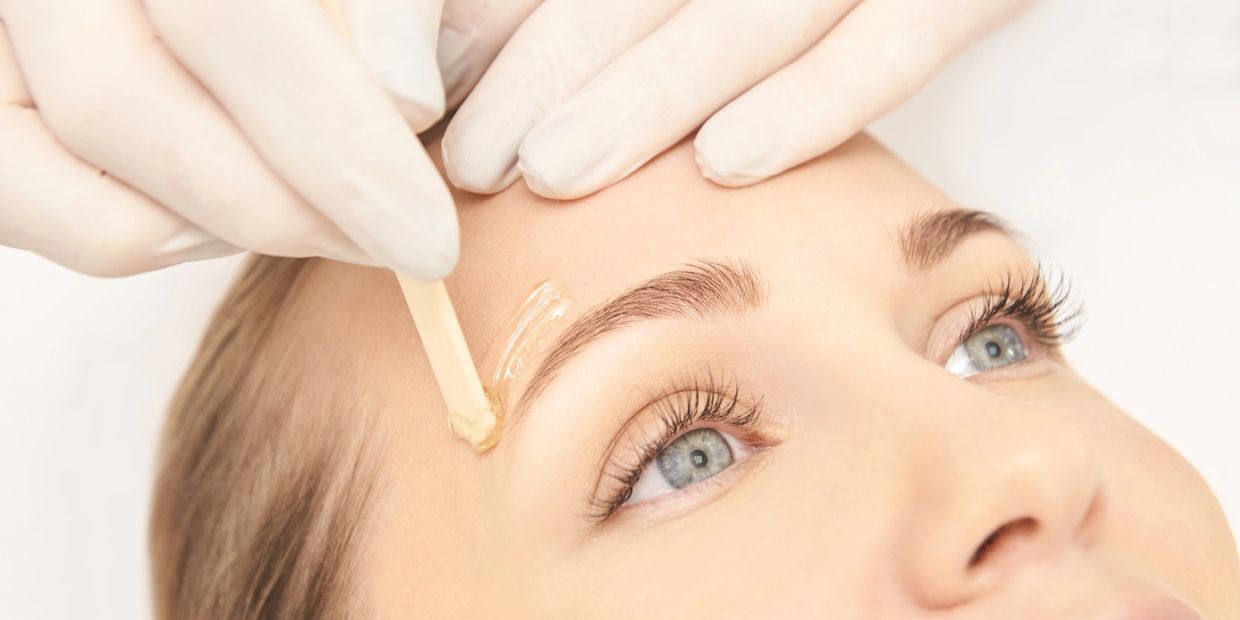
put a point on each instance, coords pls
(885, 476)
(136, 134)
(587, 92)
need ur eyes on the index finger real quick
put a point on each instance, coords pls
(660, 90)
(470, 36)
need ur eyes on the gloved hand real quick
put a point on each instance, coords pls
(135, 135)
(586, 92)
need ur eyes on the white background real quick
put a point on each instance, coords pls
(1108, 131)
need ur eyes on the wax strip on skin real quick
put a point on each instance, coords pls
(541, 312)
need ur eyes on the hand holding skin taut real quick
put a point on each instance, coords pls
(177, 131)
(138, 135)
(587, 92)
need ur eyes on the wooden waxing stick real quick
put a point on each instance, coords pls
(472, 415)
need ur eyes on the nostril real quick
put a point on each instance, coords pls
(1019, 528)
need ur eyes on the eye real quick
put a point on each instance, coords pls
(689, 459)
(986, 349)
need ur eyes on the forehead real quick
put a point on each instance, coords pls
(844, 209)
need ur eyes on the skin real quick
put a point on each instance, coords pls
(884, 473)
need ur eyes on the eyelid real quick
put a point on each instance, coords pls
(1039, 303)
(1048, 310)
(948, 330)
(690, 498)
(666, 417)
(739, 448)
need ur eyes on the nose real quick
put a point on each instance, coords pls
(997, 496)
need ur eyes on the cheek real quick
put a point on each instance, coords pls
(781, 545)
(1161, 517)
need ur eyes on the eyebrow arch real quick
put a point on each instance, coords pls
(930, 237)
(712, 288)
(698, 290)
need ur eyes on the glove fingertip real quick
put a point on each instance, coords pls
(420, 113)
(719, 164)
(551, 168)
(429, 260)
(418, 93)
(465, 169)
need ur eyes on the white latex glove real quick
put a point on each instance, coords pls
(138, 134)
(472, 33)
(586, 92)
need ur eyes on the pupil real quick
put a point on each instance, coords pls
(993, 349)
(698, 458)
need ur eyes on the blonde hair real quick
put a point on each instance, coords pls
(259, 495)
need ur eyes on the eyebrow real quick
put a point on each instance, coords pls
(930, 237)
(699, 290)
(713, 288)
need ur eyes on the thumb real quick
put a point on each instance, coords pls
(397, 40)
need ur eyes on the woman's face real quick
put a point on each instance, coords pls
(790, 425)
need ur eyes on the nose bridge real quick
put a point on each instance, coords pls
(1004, 488)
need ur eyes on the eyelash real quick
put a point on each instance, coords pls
(1046, 310)
(1042, 302)
(707, 400)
